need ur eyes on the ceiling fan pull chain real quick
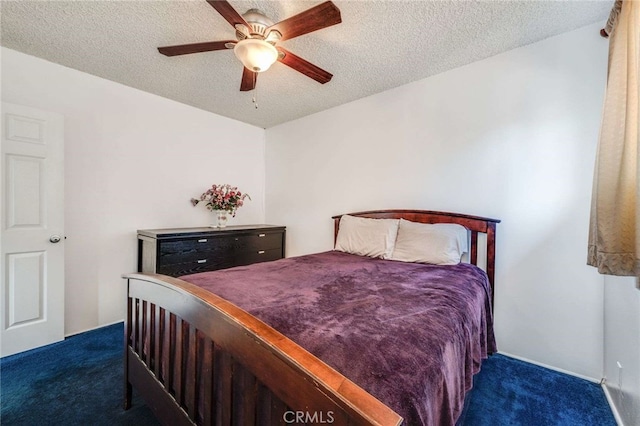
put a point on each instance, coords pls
(255, 97)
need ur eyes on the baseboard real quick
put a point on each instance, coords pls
(616, 414)
(92, 328)
(559, 370)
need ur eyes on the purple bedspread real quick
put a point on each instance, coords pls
(410, 334)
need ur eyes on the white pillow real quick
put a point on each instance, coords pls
(367, 237)
(438, 243)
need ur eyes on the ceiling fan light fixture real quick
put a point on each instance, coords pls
(255, 54)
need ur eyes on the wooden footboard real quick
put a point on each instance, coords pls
(196, 358)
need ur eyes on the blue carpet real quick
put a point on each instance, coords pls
(508, 391)
(79, 381)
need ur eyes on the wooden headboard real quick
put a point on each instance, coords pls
(475, 224)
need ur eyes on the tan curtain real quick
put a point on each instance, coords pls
(614, 234)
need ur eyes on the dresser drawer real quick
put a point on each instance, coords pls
(200, 265)
(263, 241)
(178, 269)
(254, 241)
(194, 249)
(256, 256)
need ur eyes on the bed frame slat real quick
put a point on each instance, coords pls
(136, 328)
(473, 258)
(222, 379)
(491, 257)
(191, 378)
(156, 337)
(166, 351)
(128, 329)
(206, 378)
(144, 335)
(263, 405)
(244, 396)
(178, 343)
(278, 408)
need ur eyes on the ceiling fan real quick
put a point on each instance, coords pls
(257, 37)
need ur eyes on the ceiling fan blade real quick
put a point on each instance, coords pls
(303, 66)
(184, 49)
(228, 12)
(318, 17)
(248, 80)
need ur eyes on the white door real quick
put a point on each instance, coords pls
(32, 265)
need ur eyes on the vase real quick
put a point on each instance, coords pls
(220, 218)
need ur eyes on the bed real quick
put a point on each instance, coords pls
(269, 343)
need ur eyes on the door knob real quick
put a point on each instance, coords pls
(54, 239)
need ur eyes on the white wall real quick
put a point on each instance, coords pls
(622, 345)
(132, 161)
(511, 137)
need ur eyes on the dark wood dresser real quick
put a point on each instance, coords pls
(183, 251)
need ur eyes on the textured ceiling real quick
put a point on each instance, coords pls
(379, 45)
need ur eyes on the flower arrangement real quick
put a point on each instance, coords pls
(222, 197)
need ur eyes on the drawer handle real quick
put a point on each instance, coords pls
(202, 261)
(204, 240)
(261, 235)
(261, 252)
